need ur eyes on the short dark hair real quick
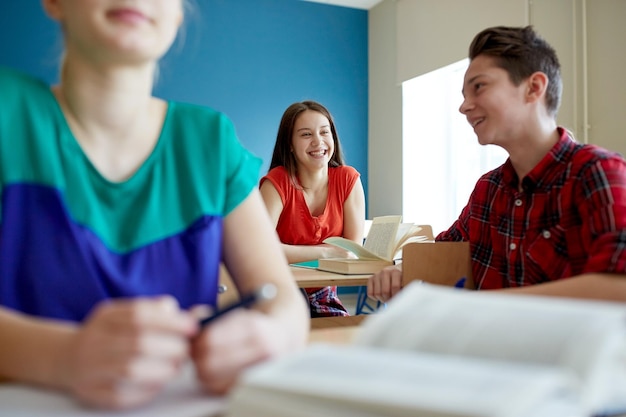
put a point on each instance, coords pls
(520, 51)
(282, 155)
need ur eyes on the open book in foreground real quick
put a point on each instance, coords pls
(384, 242)
(442, 352)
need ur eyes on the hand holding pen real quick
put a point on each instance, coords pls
(234, 338)
(263, 293)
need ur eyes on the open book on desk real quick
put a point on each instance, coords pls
(182, 398)
(384, 242)
(444, 352)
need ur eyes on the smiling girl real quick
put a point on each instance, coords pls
(311, 195)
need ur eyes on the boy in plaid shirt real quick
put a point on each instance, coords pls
(552, 219)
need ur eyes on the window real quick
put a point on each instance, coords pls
(442, 159)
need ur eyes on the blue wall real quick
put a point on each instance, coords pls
(247, 58)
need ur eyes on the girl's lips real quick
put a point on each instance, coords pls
(130, 16)
(318, 154)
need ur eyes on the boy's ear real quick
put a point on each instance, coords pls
(52, 8)
(537, 85)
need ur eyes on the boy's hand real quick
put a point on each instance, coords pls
(385, 284)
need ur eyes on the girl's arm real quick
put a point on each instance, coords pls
(253, 257)
(354, 214)
(32, 350)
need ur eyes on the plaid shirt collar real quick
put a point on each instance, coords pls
(543, 174)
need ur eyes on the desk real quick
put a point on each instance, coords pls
(335, 330)
(339, 321)
(312, 278)
(305, 278)
(334, 335)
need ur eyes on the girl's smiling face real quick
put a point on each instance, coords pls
(312, 141)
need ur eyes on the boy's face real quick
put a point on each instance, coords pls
(493, 105)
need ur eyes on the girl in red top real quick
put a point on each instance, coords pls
(311, 195)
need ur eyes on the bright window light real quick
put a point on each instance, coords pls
(442, 159)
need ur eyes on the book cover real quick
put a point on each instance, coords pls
(352, 266)
(306, 264)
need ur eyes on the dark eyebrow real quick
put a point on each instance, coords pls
(308, 128)
(471, 80)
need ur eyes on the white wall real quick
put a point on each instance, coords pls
(385, 114)
(606, 46)
(434, 33)
(410, 37)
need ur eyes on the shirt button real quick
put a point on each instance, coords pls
(546, 234)
(518, 202)
(512, 246)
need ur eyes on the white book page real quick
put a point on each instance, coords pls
(365, 382)
(381, 239)
(406, 241)
(182, 398)
(587, 338)
(405, 231)
(351, 246)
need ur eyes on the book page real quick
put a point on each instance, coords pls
(182, 398)
(381, 239)
(364, 382)
(407, 233)
(587, 338)
(351, 246)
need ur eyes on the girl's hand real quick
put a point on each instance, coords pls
(331, 251)
(243, 337)
(127, 350)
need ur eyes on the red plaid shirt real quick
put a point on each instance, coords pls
(570, 218)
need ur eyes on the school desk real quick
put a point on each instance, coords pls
(335, 330)
(334, 335)
(305, 278)
(312, 278)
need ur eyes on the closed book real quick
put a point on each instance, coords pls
(352, 266)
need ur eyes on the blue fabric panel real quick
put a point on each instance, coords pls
(51, 266)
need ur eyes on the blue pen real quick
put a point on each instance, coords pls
(265, 292)
(460, 283)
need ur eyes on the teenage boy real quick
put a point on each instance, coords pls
(552, 219)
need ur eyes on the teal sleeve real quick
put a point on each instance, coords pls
(243, 171)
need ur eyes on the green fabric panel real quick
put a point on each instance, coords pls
(197, 168)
